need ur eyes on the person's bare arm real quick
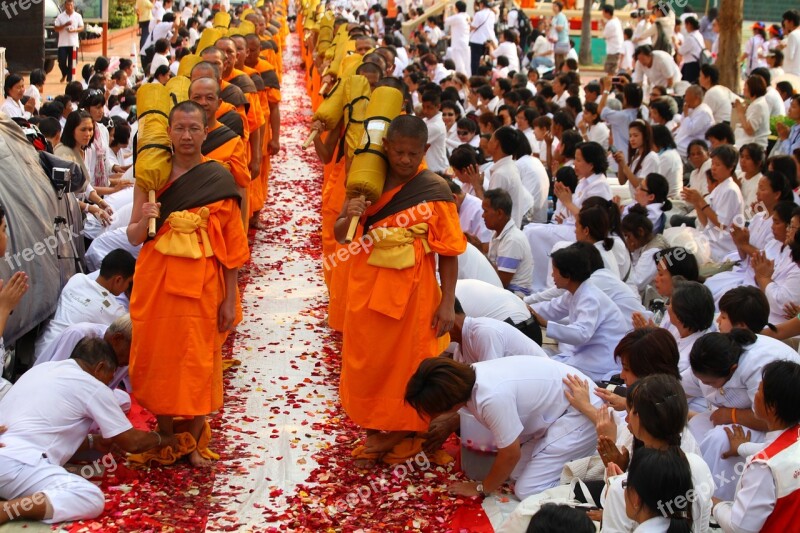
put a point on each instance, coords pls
(445, 313)
(275, 125)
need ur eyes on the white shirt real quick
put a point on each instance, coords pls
(740, 390)
(158, 60)
(692, 47)
(784, 287)
(749, 188)
(615, 520)
(599, 133)
(761, 230)
(588, 338)
(508, 49)
(459, 29)
(519, 397)
(484, 339)
(505, 175)
(479, 298)
(628, 48)
(755, 499)
(649, 164)
(51, 409)
(14, 109)
(670, 166)
(726, 201)
(74, 21)
(660, 71)
(720, 99)
(791, 54)
(757, 115)
(483, 22)
(697, 179)
(641, 27)
(612, 33)
(643, 268)
(542, 47)
(81, 300)
(694, 124)
(436, 156)
(594, 185)
(472, 264)
(535, 180)
(510, 252)
(776, 106)
(107, 242)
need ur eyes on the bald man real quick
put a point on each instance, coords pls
(697, 118)
(231, 97)
(222, 144)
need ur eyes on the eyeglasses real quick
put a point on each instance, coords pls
(462, 132)
(448, 114)
(644, 190)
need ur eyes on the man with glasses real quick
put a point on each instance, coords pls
(189, 301)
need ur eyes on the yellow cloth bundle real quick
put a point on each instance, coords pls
(356, 94)
(187, 63)
(244, 28)
(154, 158)
(222, 20)
(208, 38)
(186, 233)
(394, 247)
(178, 87)
(368, 169)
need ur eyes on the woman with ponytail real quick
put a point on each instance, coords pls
(620, 250)
(652, 194)
(641, 159)
(726, 370)
(656, 492)
(594, 227)
(643, 244)
(657, 415)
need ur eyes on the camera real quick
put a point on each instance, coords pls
(60, 178)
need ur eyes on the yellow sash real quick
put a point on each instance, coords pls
(394, 247)
(186, 232)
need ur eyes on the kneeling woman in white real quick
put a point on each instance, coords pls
(643, 244)
(657, 413)
(590, 166)
(520, 399)
(593, 323)
(726, 370)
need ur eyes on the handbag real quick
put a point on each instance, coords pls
(561, 48)
(519, 519)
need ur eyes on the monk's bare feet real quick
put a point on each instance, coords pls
(365, 464)
(198, 461)
(383, 442)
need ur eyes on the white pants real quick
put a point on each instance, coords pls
(71, 496)
(570, 437)
(542, 238)
(461, 57)
(713, 443)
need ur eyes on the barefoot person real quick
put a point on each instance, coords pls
(397, 314)
(186, 296)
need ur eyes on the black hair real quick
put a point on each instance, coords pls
(595, 220)
(122, 134)
(727, 155)
(693, 304)
(607, 8)
(50, 127)
(570, 140)
(507, 139)
(697, 142)
(661, 404)
(560, 518)
(101, 64)
(438, 385)
(500, 200)
(95, 350)
(611, 208)
(74, 120)
(793, 16)
(92, 98)
(37, 77)
(564, 120)
(463, 156)
(662, 137)
(523, 146)
(658, 187)
(779, 381)
(572, 262)
(568, 177)
(721, 131)
(756, 153)
(638, 224)
(161, 46)
(11, 80)
(778, 183)
(711, 72)
(648, 351)
(594, 154)
(746, 305)
(786, 166)
(715, 354)
(632, 95)
(679, 262)
(663, 476)
(117, 262)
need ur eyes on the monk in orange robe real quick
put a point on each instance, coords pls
(397, 313)
(186, 293)
(222, 144)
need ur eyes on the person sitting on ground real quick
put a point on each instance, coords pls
(520, 400)
(509, 252)
(49, 413)
(643, 243)
(84, 299)
(768, 483)
(587, 337)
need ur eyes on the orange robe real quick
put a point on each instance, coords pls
(387, 325)
(233, 156)
(176, 357)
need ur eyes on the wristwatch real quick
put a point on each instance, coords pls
(479, 488)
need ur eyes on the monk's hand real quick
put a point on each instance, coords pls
(151, 210)
(255, 167)
(12, 291)
(274, 146)
(356, 207)
(444, 318)
(226, 315)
